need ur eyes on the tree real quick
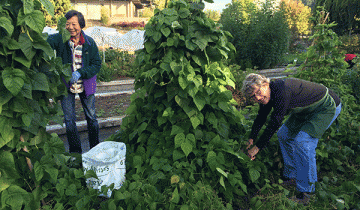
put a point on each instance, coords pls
(60, 8)
(344, 12)
(213, 14)
(297, 16)
(256, 41)
(156, 4)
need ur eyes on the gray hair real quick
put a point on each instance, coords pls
(252, 80)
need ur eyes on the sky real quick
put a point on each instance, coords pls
(217, 5)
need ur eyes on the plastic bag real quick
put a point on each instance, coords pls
(107, 159)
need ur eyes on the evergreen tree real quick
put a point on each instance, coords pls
(344, 12)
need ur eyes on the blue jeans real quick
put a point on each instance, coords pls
(68, 107)
(299, 156)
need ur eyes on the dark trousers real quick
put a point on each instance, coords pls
(68, 107)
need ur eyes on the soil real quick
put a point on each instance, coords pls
(109, 106)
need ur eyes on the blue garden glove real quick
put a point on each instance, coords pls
(75, 77)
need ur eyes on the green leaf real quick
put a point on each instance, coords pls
(39, 171)
(195, 121)
(156, 36)
(150, 47)
(53, 172)
(26, 118)
(5, 96)
(166, 31)
(222, 182)
(40, 82)
(199, 101)
(211, 156)
(186, 147)
(176, 68)
(42, 44)
(6, 130)
(137, 161)
(183, 82)
(200, 42)
(176, 130)
(7, 25)
(224, 106)
(190, 45)
(23, 61)
(177, 155)
(183, 12)
(26, 46)
(36, 21)
(175, 196)
(28, 6)
(176, 25)
(168, 112)
(61, 27)
(13, 80)
(179, 139)
(191, 138)
(91, 174)
(49, 7)
(13, 45)
(7, 165)
(71, 190)
(222, 172)
(14, 196)
(254, 174)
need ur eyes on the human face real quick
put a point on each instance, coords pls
(261, 94)
(73, 26)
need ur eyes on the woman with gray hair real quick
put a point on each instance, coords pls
(312, 107)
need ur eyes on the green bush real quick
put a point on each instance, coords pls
(104, 15)
(350, 44)
(117, 64)
(260, 36)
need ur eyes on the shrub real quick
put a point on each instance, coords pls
(117, 64)
(254, 35)
(129, 25)
(350, 44)
(60, 8)
(105, 15)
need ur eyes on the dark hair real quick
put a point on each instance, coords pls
(80, 16)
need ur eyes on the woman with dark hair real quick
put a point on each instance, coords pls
(312, 107)
(82, 52)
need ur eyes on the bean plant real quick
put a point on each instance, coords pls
(181, 129)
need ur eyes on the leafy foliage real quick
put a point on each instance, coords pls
(117, 63)
(54, 10)
(129, 25)
(254, 37)
(350, 44)
(297, 16)
(213, 14)
(181, 124)
(343, 12)
(105, 15)
(34, 172)
(325, 64)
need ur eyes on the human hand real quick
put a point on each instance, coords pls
(75, 77)
(252, 152)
